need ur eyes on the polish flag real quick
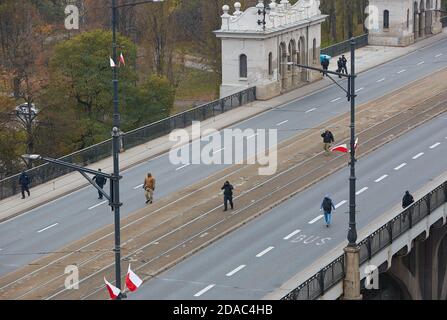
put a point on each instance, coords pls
(133, 282)
(113, 291)
(356, 143)
(122, 60)
(112, 63)
(341, 148)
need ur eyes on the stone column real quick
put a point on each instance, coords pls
(351, 282)
(416, 26)
(422, 24)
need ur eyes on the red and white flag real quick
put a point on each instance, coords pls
(341, 148)
(133, 282)
(122, 61)
(112, 63)
(356, 144)
(114, 292)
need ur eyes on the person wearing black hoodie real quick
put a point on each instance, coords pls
(407, 199)
(228, 195)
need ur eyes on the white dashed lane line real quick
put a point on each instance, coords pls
(316, 219)
(291, 235)
(421, 63)
(260, 254)
(46, 228)
(310, 110)
(402, 71)
(138, 187)
(281, 123)
(334, 100)
(380, 80)
(229, 274)
(361, 190)
(438, 55)
(400, 166)
(180, 168)
(360, 89)
(252, 136)
(381, 178)
(338, 205)
(97, 205)
(217, 151)
(435, 145)
(198, 294)
(418, 155)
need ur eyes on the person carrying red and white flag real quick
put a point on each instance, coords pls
(133, 282)
(114, 292)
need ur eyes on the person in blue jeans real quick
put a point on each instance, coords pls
(326, 206)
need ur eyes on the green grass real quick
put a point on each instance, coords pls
(198, 85)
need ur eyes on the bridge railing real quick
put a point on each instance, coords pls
(345, 46)
(46, 172)
(331, 274)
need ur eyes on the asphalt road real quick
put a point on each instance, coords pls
(51, 226)
(260, 256)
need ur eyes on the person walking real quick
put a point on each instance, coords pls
(325, 65)
(228, 195)
(407, 199)
(326, 206)
(100, 181)
(340, 66)
(344, 64)
(328, 139)
(24, 182)
(149, 187)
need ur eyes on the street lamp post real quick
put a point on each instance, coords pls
(263, 10)
(351, 282)
(27, 113)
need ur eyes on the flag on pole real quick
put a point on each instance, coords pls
(121, 61)
(112, 63)
(133, 282)
(114, 292)
(341, 148)
(356, 143)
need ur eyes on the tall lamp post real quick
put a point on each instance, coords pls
(27, 113)
(351, 283)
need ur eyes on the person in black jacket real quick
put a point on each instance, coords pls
(228, 195)
(407, 199)
(344, 64)
(328, 139)
(24, 181)
(325, 65)
(100, 181)
(340, 66)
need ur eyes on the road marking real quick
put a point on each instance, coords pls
(180, 168)
(53, 225)
(316, 219)
(310, 110)
(401, 71)
(97, 205)
(361, 190)
(435, 145)
(381, 178)
(335, 100)
(198, 294)
(380, 80)
(438, 55)
(285, 121)
(229, 274)
(291, 235)
(260, 254)
(252, 136)
(421, 63)
(418, 155)
(218, 151)
(138, 187)
(203, 235)
(359, 89)
(340, 204)
(400, 166)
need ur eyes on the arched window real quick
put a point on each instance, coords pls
(408, 18)
(314, 51)
(270, 63)
(386, 19)
(243, 66)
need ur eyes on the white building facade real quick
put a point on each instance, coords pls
(254, 54)
(402, 22)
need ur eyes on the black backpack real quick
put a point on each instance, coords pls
(327, 204)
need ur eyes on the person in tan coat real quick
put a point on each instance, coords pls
(149, 187)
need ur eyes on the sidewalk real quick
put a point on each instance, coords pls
(366, 58)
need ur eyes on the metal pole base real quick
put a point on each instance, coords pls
(351, 282)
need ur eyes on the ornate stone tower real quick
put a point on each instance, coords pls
(262, 55)
(402, 22)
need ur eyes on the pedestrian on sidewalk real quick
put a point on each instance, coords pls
(24, 182)
(326, 206)
(325, 65)
(407, 199)
(340, 66)
(100, 181)
(328, 139)
(149, 187)
(228, 195)
(344, 66)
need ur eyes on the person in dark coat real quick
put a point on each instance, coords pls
(325, 65)
(228, 195)
(100, 181)
(407, 199)
(24, 182)
(340, 66)
(326, 206)
(344, 61)
(328, 139)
